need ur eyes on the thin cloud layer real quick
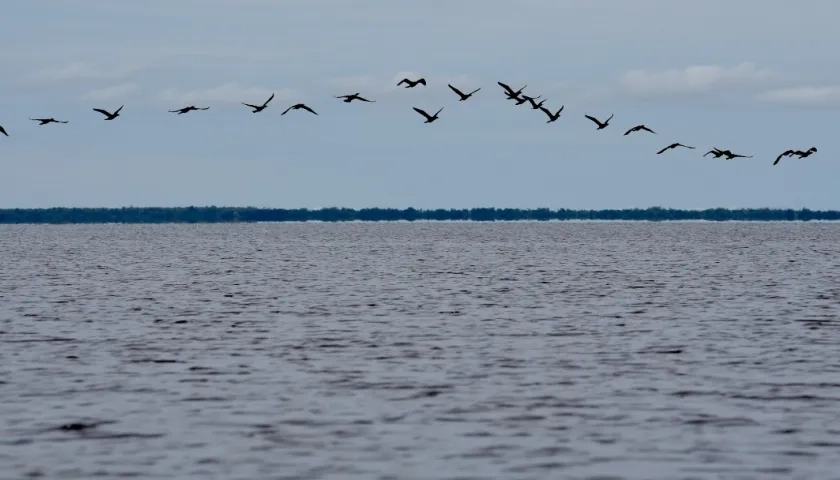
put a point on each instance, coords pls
(805, 96)
(228, 93)
(81, 71)
(693, 80)
(115, 92)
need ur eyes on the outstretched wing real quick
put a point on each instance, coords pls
(103, 112)
(460, 93)
(3, 131)
(249, 105)
(422, 80)
(665, 149)
(308, 109)
(422, 112)
(477, 89)
(269, 99)
(647, 129)
(287, 110)
(628, 132)
(404, 80)
(366, 100)
(507, 88)
(593, 119)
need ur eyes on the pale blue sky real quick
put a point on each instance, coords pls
(755, 76)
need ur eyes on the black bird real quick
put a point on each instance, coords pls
(429, 118)
(786, 153)
(673, 145)
(298, 106)
(109, 115)
(3, 131)
(525, 98)
(806, 153)
(509, 91)
(637, 128)
(461, 94)
(355, 96)
(552, 117)
(188, 109)
(535, 105)
(45, 121)
(601, 126)
(729, 155)
(258, 109)
(714, 151)
(411, 84)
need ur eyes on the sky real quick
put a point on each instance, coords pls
(754, 76)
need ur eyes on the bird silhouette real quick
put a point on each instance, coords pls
(637, 128)
(299, 106)
(603, 125)
(3, 131)
(806, 153)
(260, 108)
(786, 153)
(412, 83)
(535, 105)
(729, 155)
(509, 91)
(461, 94)
(355, 96)
(552, 117)
(109, 115)
(714, 151)
(525, 98)
(188, 109)
(673, 145)
(429, 118)
(45, 121)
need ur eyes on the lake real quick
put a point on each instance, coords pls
(421, 351)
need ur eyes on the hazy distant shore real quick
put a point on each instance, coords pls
(252, 214)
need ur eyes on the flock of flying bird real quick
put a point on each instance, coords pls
(516, 95)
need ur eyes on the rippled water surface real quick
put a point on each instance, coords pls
(421, 351)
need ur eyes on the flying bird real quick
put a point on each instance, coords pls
(45, 121)
(188, 109)
(714, 151)
(109, 115)
(258, 109)
(806, 153)
(3, 131)
(509, 91)
(461, 94)
(674, 145)
(525, 98)
(729, 155)
(355, 96)
(535, 105)
(429, 118)
(786, 153)
(298, 106)
(552, 117)
(411, 84)
(603, 125)
(637, 128)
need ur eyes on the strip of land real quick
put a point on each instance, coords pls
(252, 214)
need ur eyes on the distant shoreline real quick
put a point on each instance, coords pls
(213, 214)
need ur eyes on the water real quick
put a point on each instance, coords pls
(421, 351)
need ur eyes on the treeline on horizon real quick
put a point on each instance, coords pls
(214, 214)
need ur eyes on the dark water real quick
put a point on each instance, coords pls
(421, 351)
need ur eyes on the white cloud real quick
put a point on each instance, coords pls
(111, 93)
(806, 96)
(700, 79)
(81, 71)
(231, 93)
